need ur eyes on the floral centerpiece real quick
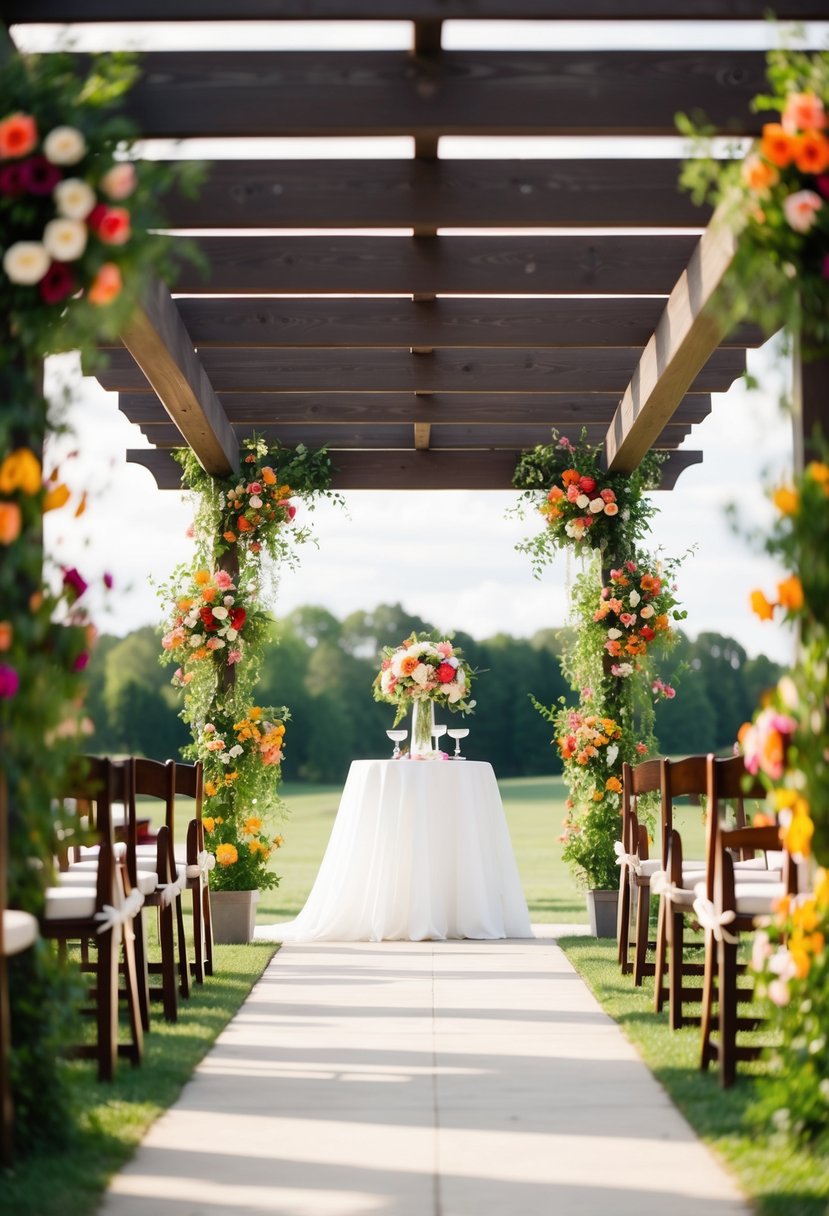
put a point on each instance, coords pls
(777, 198)
(424, 671)
(242, 760)
(636, 609)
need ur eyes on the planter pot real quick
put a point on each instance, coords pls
(234, 916)
(602, 909)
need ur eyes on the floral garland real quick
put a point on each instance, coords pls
(215, 627)
(785, 745)
(637, 606)
(777, 199)
(423, 668)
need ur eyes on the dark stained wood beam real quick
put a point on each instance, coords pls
(342, 437)
(689, 331)
(418, 193)
(446, 322)
(451, 265)
(568, 412)
(21, 11)
(157, 341)
(606, 369)
(184, 94)
(409, 470)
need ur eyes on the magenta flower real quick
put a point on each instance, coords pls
(56, 284)
(9, 682)
(12, 180)
(81, 661)
(40, 176)
(73, 581)
(108, 581)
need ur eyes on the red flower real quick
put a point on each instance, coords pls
(73, 581)
(237, 618)
(445, 673)
(12, 180)
(647, 633)
(208, 619)
(56, 284)
(587, 484)
(114, 226)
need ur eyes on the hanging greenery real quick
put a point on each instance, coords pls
(215, 628)
(777, 199)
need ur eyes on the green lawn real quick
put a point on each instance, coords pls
(534, 808)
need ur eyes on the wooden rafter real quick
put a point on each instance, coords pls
(158, 342)
(689, 331)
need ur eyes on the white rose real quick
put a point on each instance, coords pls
(386, 679)
(220, 612)
(612, 753)
(613, 634)
(228, 601)
(452, 661)
(231, 634)
(256, 502)
(582, 501)
(26, 262)
(64, 146)
(647, 610)
(195, 640)
(65, 240)
(74, 199)
(420, 675)
(397, 663)
(460, 678)
(454, 694)
(236, 750)
(634, 598)
(596, 505)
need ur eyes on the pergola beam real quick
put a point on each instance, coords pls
(606, 369)
(185, 94)
(394, 470)
(689, 332)
(417, 193)
(159, 344)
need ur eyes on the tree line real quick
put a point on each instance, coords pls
(322, 668)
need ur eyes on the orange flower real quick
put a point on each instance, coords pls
(230, 537)
(661, 622)
(598, 796)
(613, 784)
(56, 497)
(243, 525)
(760, 606)
(185, 603)
(555, 494)
(81, 507)
(226, 854)
(6, 635)
(758, 174)
(268, 475)
(201, 577)
(207, 820)
(786, 500)
(18, 135)
(253, 825)
(209, 594)
(822, 888)
(819, 472)
(20, 471)
(649, 582)
(777, 145)
(790, 593)
(762, 820)
(11, 521)
(409, 664)
(570, 477)
(106, 286)
(811, 153)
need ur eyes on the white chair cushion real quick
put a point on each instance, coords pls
(69, 903)
(77, 878)
(147, 881)
(649, 867)
(146, 850)
(753, 899)
(19, 931)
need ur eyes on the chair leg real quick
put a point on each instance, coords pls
(675, 978)
(198, 932)
(208, 931)
(707, 1019)
(623, 921)
(183, 965)
(6, 1108)
(661, 947)
(106, 980)
(168, 963)
(132, 976)
(643, 904)
(143, 981)
(728, 1012)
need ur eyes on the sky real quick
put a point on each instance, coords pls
(447, 556)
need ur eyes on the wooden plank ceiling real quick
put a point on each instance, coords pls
(431, 359)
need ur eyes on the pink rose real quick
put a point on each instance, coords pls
(801, 208)
(444, 649)
(234, 656)
(803, 112)
(119, 182)
(223, 580)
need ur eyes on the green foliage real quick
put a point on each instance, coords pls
(778, 274)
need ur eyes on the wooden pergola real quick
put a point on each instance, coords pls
(432, 359)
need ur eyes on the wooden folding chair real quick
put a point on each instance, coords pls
(18, 931)
(727, 909)
(189, 783)
(636, 866)
(99, 911)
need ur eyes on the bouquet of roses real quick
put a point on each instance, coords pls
(636, 609)
(424, 669)
(206, 615)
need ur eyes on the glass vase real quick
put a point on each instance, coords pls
(423, 721)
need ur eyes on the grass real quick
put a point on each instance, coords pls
(534, 808)
(780, 1180)
(110, 1120)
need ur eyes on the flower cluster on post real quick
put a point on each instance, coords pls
(424, 668)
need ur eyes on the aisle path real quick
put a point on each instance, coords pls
(422, 1079)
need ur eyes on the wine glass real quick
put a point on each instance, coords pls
(437, 733)
(397, 737)
(457, 733)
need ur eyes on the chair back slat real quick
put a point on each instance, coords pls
(680, 779)
(729, 781)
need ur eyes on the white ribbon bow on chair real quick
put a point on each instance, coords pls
(110, 917)
(710, 919)
(662, 885)
(172, 890)
(206, 862)
(626, 859)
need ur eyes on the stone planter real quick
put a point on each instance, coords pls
(234, 916)
(602, 911)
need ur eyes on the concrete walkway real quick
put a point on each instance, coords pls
(422, 1079)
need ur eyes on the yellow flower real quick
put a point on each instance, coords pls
(278, 842)
(210, 791)
(202, 577)
(20, 471)
(230, 778)
(226, 855)
(805, 916)
(819, 472)
(614, 784)
(761, 606)
(786, 500)
(253, 825)
(255, 713)
(597, 795)
(784, 799)
(822, 888)
(797, 837)
(790, 593)
(208, 821)
(56, 498)
(255, 847)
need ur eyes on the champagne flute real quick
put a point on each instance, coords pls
(457, 733)
(397, 737)
(437, 733)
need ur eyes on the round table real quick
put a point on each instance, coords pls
(419, 851)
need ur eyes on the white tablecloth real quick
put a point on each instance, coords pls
(419, 850)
